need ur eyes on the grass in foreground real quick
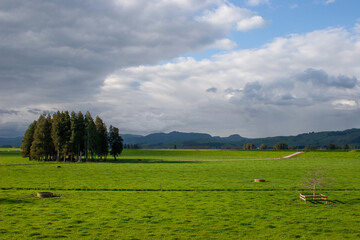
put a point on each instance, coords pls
(224, 202)
(177, 215)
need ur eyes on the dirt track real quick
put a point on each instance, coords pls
(291, 155)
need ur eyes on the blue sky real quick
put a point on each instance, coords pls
(291, 17)
(256, 68)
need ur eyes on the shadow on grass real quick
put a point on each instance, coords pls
(147, 161)
(107, 161)
(336, 202)
(329, 202)
(12, 201)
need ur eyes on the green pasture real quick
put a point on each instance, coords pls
(200, 154)
(12, 156)
(180, 194)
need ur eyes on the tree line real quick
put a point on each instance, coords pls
(284, 146)
(72, 137)
(277, 146)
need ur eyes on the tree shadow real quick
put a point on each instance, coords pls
(146, 161)
(317, 202)
(13, 201)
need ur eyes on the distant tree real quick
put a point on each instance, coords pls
(56, 134)
(102, 144)
(61, 133)
(310, 148)
(132, 146)
(115, 141)
(49, 144)
(27, 140)
(90, 136)
(77, 135)
(37, 147)
(263, 147)
(346, 147)
(66, 122)
(249, 146)
(281, 146)
(331, 146)
(42, 147)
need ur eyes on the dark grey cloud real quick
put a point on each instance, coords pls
(321, 78)
(253, 90)
(232, 90)
(212, 90)
(292, 91)
(55, 55)
(7, 111)
(12, 129)
(35, 111)
(61, 51)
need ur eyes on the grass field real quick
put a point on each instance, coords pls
(180, 194)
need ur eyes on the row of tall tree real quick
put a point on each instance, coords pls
(73, 137)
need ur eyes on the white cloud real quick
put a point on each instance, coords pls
(225, 44)
(257, 2)
(345, 104)
(357, 28)
(251, 23)
(326, 2)
(230, 16)
(297, 82)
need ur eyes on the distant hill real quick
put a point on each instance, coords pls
(321, 139)
(188, 140)
(158, 140)
(10, 142)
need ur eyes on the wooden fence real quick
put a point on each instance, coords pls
(311, 197)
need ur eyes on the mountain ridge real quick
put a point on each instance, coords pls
(191, 139)
(168, 140)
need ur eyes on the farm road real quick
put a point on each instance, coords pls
(291, 155)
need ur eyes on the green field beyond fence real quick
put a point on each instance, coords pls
(180, 194)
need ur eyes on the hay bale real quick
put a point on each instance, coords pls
(259, 180)
(45, 194)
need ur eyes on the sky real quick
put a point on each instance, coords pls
(257, 68)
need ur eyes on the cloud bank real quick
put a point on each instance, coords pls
(291, 85)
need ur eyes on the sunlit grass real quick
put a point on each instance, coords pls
(183, 215)
(160, 194)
